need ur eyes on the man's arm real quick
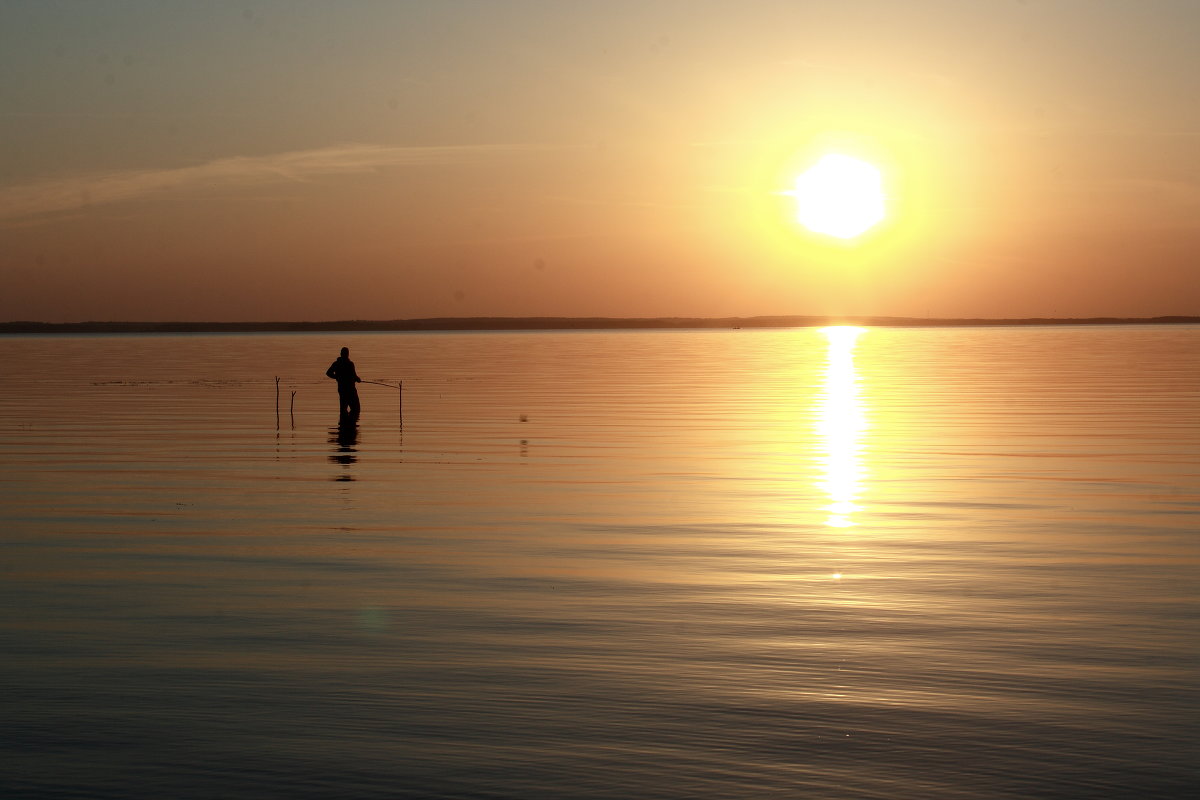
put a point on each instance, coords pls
(332, 371)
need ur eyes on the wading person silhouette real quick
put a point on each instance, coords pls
(343, 372)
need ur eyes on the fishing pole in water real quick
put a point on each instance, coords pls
(399, 392)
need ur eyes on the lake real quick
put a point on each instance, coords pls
(804, 563)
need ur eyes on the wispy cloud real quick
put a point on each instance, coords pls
(72, 193)
(1153, 202)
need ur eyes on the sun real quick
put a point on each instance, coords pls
(839, 196)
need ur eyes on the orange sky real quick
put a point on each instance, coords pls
(377, 160)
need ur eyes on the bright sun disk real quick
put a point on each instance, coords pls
(839, 196)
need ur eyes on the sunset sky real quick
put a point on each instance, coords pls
(381, 160)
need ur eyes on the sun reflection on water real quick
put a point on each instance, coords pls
(841, 421)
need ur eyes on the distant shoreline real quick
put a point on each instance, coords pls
(560, 323)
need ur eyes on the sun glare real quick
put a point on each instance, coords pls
(841, 420)
(839, 196)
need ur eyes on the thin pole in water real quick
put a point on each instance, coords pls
(292, 408)
(276, 402)
(400, 391)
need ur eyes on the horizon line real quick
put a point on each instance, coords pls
(501, 323)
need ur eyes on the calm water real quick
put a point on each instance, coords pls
(914, 563)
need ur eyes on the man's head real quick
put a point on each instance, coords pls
(345, 352)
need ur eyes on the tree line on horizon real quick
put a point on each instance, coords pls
(556, 323)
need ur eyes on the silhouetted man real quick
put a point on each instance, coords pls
(343, 372)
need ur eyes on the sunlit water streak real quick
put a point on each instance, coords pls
(841, 422)
(602, 565)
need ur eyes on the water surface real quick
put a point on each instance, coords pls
(927, 563)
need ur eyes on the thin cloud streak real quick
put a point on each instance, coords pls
(74, 193)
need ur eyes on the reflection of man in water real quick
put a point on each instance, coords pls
(343, 372)
(345, 440)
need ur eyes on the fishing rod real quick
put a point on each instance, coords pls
(400, 395)
(399, 387)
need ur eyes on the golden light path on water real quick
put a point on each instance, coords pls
(841, 421)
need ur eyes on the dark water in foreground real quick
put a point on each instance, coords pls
(899, 563)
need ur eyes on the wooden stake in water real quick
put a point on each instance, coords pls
(277, 401)
(400, 393)
(292, 408)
